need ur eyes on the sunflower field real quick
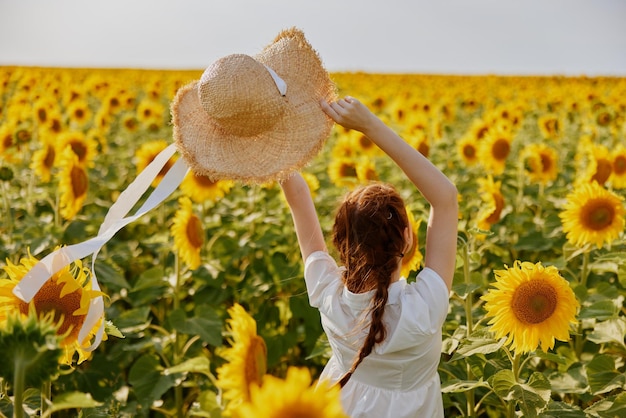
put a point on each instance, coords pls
(205, 308)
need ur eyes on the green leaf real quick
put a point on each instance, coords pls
(611, 407)
(530, 397)
(480, 342)
(200, 364)
(502, 383)
(73, 400)
(600, 310)
(205, 323)
(455, 386)
(602, 375)
(464, 289)
(610, 331)
(112, 330)
(148, 381)
(110, 276)
(562, 410)
(206, 405)
(573, 380)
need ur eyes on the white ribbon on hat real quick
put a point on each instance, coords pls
(114, 220)
(280, 83)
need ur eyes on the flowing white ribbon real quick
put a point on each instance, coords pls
(280, 83)
(114, 220)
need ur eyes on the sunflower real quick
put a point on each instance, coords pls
(599, 164)
(43, 161)
(366, 170)
(343, 172)
(246, 356)
(148, 152)
(7, 143)
(188, 233)
(479, 129)
(344, 147)
(493, 203)
(150, 114)
(618, 179)
(66, 295)
(79, 113)
(73, 185)
(531, 305)
(467, 148)
(550, 126)
(85, 148)
(312, 182)
(362, 144)
(419, 140)
(494, 150)
(130, 123)
(201, 188)
(294, 396)
(541, 163)
(42, 109)
(592, 215)
(412, 259)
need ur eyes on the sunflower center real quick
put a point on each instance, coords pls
(79, 181)
(55, 126)
(48, 300)
(501, 149)
(79, 149)
(619, 165)
(546, 163)
(482, 132)
(48, 162)
(469, 151)
(423, 148)
(7, 141)
(347, 170)
(195, 233)
(256, 361)
(365, 142)
(597, 214)
(298, 411)
(497, 211)
(204, 181)
(603, 171)
(534, 301)
(42, 115)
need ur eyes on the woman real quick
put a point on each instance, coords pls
(385, 334)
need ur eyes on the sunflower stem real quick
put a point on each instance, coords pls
(580, 337)
(515, 368)
(584, 270)
(7, 209)
(46, 394)
(469, 327)
(18, 385)
(178, 389)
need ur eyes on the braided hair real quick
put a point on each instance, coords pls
(368, 234)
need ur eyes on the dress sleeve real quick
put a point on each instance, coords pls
(320, 274)
(433, 290)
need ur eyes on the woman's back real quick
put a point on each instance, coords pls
(399, 377)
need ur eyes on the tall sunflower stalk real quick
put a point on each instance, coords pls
(469, 321)
(177, 352)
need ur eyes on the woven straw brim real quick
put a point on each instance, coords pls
(273, 155)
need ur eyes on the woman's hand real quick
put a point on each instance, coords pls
(350, 113)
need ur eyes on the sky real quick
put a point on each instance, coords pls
(523, 37)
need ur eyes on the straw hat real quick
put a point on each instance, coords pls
(255, 119)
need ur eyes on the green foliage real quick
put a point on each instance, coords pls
(166, 322)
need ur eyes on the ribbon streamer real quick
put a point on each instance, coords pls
(114, 220)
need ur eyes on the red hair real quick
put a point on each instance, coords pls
(369, 235)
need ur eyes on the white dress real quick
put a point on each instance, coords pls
(399, 378)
